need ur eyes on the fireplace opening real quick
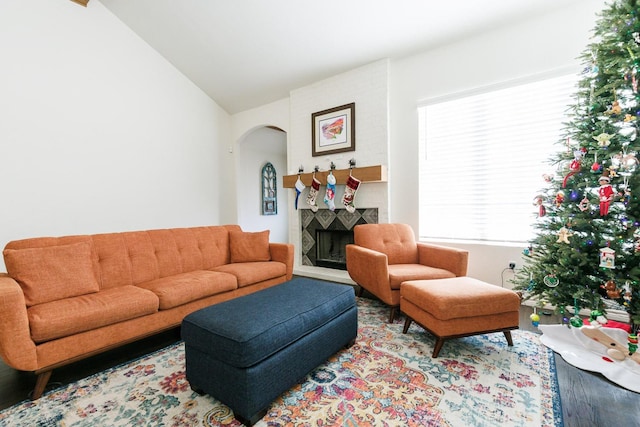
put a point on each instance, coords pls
(330, 248)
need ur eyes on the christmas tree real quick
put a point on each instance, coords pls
(586, 253)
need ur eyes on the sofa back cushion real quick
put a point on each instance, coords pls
(51, 273)
(397, 241)
(131, 258)
(247, 246)
(134, 257)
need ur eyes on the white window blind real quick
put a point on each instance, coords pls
(482, 158)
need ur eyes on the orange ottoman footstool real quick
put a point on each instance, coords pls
(459, 307)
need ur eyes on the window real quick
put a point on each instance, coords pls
(482, 157)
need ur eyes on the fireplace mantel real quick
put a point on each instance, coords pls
(365, 174)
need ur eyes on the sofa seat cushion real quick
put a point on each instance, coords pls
(70, 316)
(399, 273)
(53, 272)
(179, 289)
(249, 273)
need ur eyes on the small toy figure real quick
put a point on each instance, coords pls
(612, 291)
(542, 211)
(604, 139)
(605, 192)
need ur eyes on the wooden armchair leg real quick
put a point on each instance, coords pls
(507, 335)
(438, 347)
(360, 291)
(407, 323)
(41, 384)
(392, 315)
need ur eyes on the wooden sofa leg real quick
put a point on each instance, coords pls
(41, 383)
(360, 291)
(507, 335)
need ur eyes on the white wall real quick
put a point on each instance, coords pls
(543, 45)
(260, 146)
(98, 132)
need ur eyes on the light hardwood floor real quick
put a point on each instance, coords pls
(588, 399)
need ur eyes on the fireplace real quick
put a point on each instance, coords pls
(330, 248)
(340, 221)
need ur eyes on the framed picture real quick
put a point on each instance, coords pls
(333, 130)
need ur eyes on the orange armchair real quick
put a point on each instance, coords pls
(385, 255)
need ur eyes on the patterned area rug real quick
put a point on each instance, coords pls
(386, 379)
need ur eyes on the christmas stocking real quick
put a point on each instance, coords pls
(350, 193)
(313, 194)
(299, 187)
(331, 192)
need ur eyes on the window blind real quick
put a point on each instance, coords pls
(482, 157)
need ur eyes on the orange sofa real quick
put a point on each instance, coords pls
(67, 298)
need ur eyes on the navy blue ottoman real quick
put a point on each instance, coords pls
(248, 351)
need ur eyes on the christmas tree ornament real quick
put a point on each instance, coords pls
(350, 193)
(576, 321)
(626, 295)
(535, 318)
(551, 280)
(559, 198)
(563, 235)
(574, 166)
(584, 204)
(605, 194)
(330, 193)
(612, 290)
(629, 162)
(607, 257)
(604, 139)
(313, 194)
(538, 201)
(299, 187)
(615, 109)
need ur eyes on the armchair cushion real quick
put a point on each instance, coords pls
(399, 273)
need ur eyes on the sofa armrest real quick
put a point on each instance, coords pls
(17, 348)
(283, 252)
(368, 268)
(450, 259)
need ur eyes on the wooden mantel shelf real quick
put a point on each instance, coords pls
(366, 174)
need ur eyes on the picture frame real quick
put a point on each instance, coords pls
(333, 130)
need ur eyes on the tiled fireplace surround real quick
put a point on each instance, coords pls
(325, 219)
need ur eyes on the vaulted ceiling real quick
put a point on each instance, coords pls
(247, 53)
